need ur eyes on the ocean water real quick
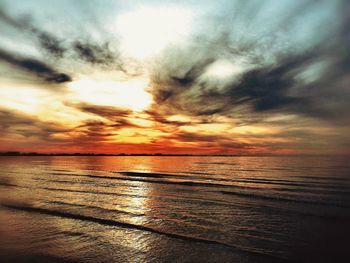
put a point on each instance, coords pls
(174, 209)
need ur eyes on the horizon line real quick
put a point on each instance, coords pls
(18, 153)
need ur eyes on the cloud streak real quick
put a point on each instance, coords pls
(55, 47)
(35, 67)
(48, 42)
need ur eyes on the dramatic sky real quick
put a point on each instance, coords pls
(194, 76)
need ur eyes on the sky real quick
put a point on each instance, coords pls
(175, 77)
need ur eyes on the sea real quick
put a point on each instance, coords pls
(174, 209)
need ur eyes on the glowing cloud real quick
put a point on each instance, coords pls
(130, 94)
(223, 69)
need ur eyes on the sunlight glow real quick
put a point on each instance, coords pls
(22, 99)
(147, 31)
(130, 94)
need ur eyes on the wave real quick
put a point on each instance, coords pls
(284, 199)
(289, 182)
(172, 198)
(319, 191)
(152, 175)
(156, 176)
(191, 200)
(216, 163)
(7, 184)
(248, 180)
(126, 225)
(302, 187)
(148, 177)
(341, 179)
(201, 184)
(97, 207)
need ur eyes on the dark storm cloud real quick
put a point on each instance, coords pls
(10, 119)
(9, 20)
(31, 132)
(196, 137)
(92, 54)
(212, 141)
(93, 130)
(35, 67)
(118, 116)
(310, 80)
(262, 89)
(86, 50)
(15, 123)
(267, 88)
(95, 54)
(28, 126)
(108, 112)
(190, 75)
(51, 44)
(47, 41)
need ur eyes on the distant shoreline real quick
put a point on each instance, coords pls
(158, 154)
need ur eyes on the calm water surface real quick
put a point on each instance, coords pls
(174, 209)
